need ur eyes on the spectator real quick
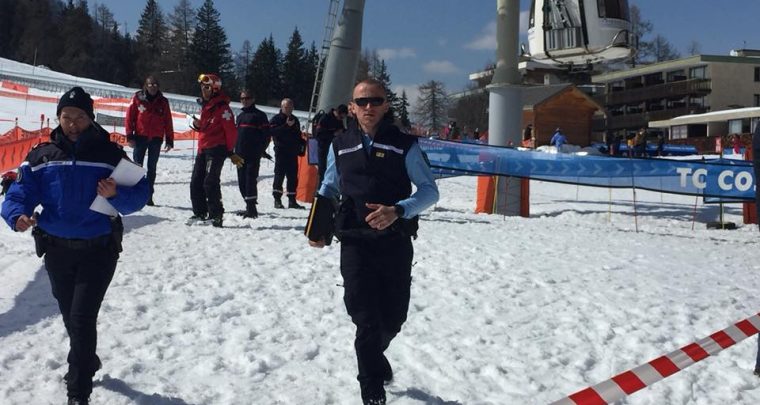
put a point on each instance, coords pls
(80, 246)
(216, 142)
(372, 168)
(330, 125)
(558, 139)
(736, 141)
(640, 143)
(288, 145)
(660, 144)
(148, 124)
(454, 133)
(252, 141)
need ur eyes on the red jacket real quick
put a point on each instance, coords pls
(217, 124)
(150, 118)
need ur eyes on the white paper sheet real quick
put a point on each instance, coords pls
(126, 173)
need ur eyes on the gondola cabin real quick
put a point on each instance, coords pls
(579, 32)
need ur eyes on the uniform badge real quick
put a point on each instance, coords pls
(380, 154)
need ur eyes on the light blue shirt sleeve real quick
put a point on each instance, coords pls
(330, 186)
(422, 177)
(416, 168)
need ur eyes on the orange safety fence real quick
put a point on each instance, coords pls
(15, 86)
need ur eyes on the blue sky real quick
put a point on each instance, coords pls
(448, 39)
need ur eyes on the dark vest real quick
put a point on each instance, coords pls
(377, 175)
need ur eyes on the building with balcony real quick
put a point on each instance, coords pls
(661, 91)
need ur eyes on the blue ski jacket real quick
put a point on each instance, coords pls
(63, 176)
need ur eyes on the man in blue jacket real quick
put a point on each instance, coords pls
(81, 246)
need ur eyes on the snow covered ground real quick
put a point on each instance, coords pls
(504, 310)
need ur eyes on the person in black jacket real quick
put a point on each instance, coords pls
(328, 127)
(288, 144)
(253, 139)
(81, 246)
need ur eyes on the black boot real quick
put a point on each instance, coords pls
(216, 222)
(78, 401)
(292, 203)
(150, 202)
(250, 209)
(278, 202)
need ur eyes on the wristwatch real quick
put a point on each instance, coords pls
(399, 210)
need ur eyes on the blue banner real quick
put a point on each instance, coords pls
(720, 178)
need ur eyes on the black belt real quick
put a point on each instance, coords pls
(77, 244)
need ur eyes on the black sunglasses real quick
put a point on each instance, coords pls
(373, 101)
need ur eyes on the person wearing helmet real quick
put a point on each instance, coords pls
(216, 142)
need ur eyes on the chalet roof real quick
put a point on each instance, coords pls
(533, 95)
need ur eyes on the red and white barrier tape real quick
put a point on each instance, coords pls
(647, 374)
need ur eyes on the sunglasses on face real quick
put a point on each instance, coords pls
(373, 101)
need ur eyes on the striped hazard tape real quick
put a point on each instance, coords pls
(647, 374)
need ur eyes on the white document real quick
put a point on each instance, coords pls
(125, 173)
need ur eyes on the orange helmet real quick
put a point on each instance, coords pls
(210, 79)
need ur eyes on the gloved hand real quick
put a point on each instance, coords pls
(237, 160)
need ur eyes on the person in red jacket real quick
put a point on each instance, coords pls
(148, 124)
(216, 143)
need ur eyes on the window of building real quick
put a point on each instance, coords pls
(613, 9)
(679, 132)
(699, 72)
(735, 126)
(676, 75)
(757, 74)
(756, 101)
(696, 102)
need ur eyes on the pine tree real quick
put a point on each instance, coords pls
(8, 28)
(243, 62)
(76, 40)
(381, 74)
(179, 73)
(402, 111)
(209, 50)
(31, 37)
(295, 69)
(265, 75)
(151, 40)
(432, 105)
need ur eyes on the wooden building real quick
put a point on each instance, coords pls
(559, 106)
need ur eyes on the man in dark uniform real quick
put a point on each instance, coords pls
(372, 168)
(81, 246)
(288, 144)
(328, 127)
(252, 142)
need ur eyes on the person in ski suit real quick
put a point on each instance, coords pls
(80, 246)
(288, 143)
(372, 167)
(216, 143)
(148, 123)
(330, 125)
(558, 139)
(252, 141)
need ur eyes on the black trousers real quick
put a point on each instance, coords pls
(153, 148)
(79, 280)
(377, 280)
(205, 187)
(285, 166)
(248, 176)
